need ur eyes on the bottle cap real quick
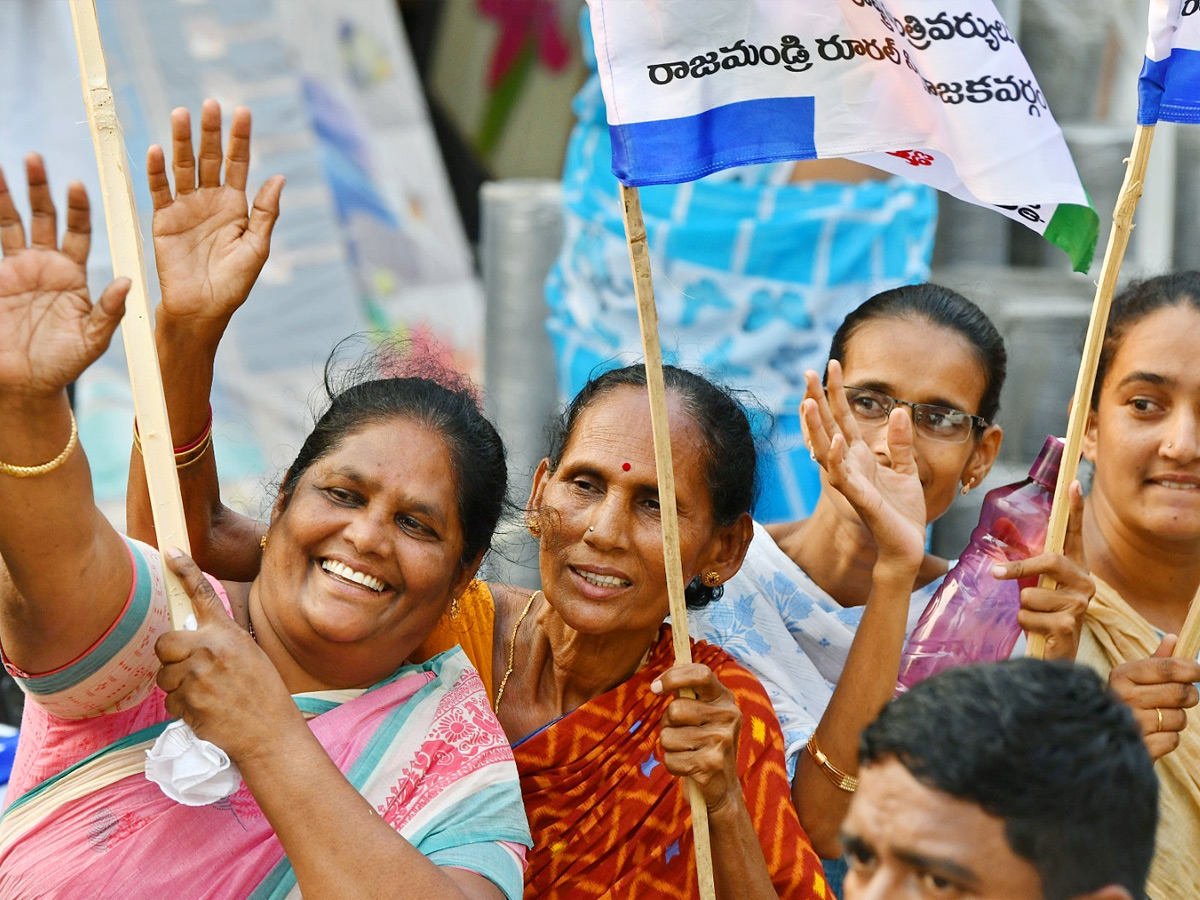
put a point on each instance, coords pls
(1045, 468)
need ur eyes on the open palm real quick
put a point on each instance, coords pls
(885, 491)
(209, 245)
(49, 329)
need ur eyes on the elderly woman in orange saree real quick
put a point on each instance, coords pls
(598, 737)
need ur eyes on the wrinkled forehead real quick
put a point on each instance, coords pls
(623, 412)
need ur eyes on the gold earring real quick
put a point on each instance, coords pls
(454, 607)
(262, 542)
(534, 527)
(967, 485)
(711, 579)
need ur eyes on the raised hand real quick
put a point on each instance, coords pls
(208, 245)
(50, 331)
(1056, 613)
(883, 486)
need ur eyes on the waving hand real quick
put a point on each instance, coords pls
(883, 487)
(209, 246)
(49, 329)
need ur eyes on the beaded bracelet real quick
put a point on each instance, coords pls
(841, 780)
(32, 471)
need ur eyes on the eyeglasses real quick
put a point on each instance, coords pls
(938, 423)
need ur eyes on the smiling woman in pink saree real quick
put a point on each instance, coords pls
(359, 775)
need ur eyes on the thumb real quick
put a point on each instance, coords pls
(900, 441)
(1073, 542)
(205, 603)
(1166, 647)
(112, 301)
(266, 209)
(107, 312)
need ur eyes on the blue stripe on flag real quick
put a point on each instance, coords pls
(1169, 90)
(666, 151)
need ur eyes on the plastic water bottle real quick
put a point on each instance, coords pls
(973, 616)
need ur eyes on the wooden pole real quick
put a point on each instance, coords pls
(643, 289)
(1081, 404)
(125, 242)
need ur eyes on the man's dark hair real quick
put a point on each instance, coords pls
(1047, 748)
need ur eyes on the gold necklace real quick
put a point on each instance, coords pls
(512, 650)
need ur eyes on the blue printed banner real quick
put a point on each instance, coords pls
(1169, 86)
(935, 91)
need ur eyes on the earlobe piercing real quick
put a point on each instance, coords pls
(967, 485)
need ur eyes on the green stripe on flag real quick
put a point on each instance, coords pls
(1075, 230)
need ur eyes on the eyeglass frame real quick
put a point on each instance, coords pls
(977, 422)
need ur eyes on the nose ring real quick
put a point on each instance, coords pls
(1169, 445)
(591, 528)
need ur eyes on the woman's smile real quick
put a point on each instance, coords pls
(604, 579)
(603, 562)
(346, 574)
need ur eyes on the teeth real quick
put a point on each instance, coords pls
(603, 580)
(1177, 485)
(343, 571)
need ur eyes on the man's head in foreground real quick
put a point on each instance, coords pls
(1021, 780)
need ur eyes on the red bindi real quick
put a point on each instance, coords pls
(626, 467)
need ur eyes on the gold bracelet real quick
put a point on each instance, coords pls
(31, 471)
(191, 454)
(843, 781)
(188, 457)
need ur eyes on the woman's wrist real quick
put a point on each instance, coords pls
(31, 411)
(729, 807)
(197, 334)
(896, 572)
(287, 740)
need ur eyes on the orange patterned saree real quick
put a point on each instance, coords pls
(610, 822)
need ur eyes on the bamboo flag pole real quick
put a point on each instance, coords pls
(125, 241)
(1081, 404)
(643, 288)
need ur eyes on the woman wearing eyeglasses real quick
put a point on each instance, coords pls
(820, 608)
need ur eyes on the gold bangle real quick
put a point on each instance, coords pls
(31, 471)
(184, 458)
(843, 781)
(187, 458)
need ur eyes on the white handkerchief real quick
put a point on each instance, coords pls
(189, 770)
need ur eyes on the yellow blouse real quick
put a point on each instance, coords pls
(472, 628)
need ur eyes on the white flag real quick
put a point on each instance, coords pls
(935, 91)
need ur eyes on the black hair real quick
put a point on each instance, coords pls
(729, 453)
(945, 308)
(1047, 748)
(1138, 300)
(441, 400)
